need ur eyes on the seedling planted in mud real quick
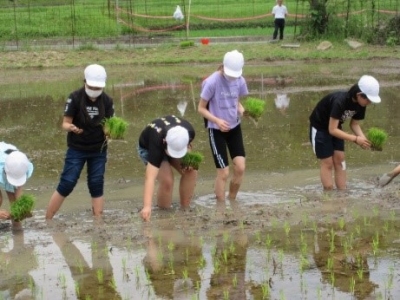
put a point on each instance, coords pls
(254, 107)
(100, 276)
(377, 137)
(192, 159)
(375, 243)
(115, 128)
(22, 207)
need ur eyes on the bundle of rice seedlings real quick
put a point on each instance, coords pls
(22, 207)
(115, 128)
(254, 107)
(377, 137)
(192, 159)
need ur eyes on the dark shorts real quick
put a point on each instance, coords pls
(220, 142)
(324, 144)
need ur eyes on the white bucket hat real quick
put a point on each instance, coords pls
(370, 87)
(16, 168)
(177, 141)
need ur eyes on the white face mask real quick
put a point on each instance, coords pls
(229, 78)
(93, 94)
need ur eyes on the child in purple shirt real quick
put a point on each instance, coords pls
(220, 106)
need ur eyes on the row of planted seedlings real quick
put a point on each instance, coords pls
(339, 248)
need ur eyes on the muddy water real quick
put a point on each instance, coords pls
(283, 239)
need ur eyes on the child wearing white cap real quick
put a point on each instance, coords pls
(327, 135)
(84, 113)
(220, 106)
(15, 169)
(161, 145)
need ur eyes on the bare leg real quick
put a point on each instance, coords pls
(326, 168)
(186, 187)
(187, 183)
(97, 206)
(339, 164)
(11, 198)
(220, 183)
(55, 203)
(239, 165)
(165, 185)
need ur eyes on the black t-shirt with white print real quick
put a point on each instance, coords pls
(338, 105)
(152, 137)
(88, 115)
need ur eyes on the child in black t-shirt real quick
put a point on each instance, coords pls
(326, 134)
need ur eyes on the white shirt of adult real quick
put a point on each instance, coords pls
(279, 11)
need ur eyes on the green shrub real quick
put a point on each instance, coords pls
(22, 207)
(254, 107)
(192, 159)
(377, 137)
(115, 128)
(185, 44)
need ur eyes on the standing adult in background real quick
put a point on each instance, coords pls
(279, 11)
(15, 169)
(220, 106)
(327, 135)
(85, 111)
(162, 143)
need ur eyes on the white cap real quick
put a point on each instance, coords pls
(16, 168)
(95, 75)
(177, 141)
(233, 63)
(370, 87)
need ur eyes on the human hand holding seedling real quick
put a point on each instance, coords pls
(4, 214)
(191, 161)
(363, 142)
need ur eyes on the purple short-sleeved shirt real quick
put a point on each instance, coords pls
(223, 97)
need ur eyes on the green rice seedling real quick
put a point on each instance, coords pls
(100, 276)
(192, 159)
(115, 128)
(22, 207)
(254, 107)
(377, 137)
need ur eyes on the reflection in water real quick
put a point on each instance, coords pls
(282, 102)
(173, 260)
(94, 281)
(172, 263)
(15, 279)
(228, 280)
(344, 266)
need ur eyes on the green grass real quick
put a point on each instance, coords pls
(93, 19)
(377, 137)
(22, 207)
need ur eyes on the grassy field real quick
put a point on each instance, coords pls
(91, 19)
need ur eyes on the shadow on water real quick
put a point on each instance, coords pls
(283, 239)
